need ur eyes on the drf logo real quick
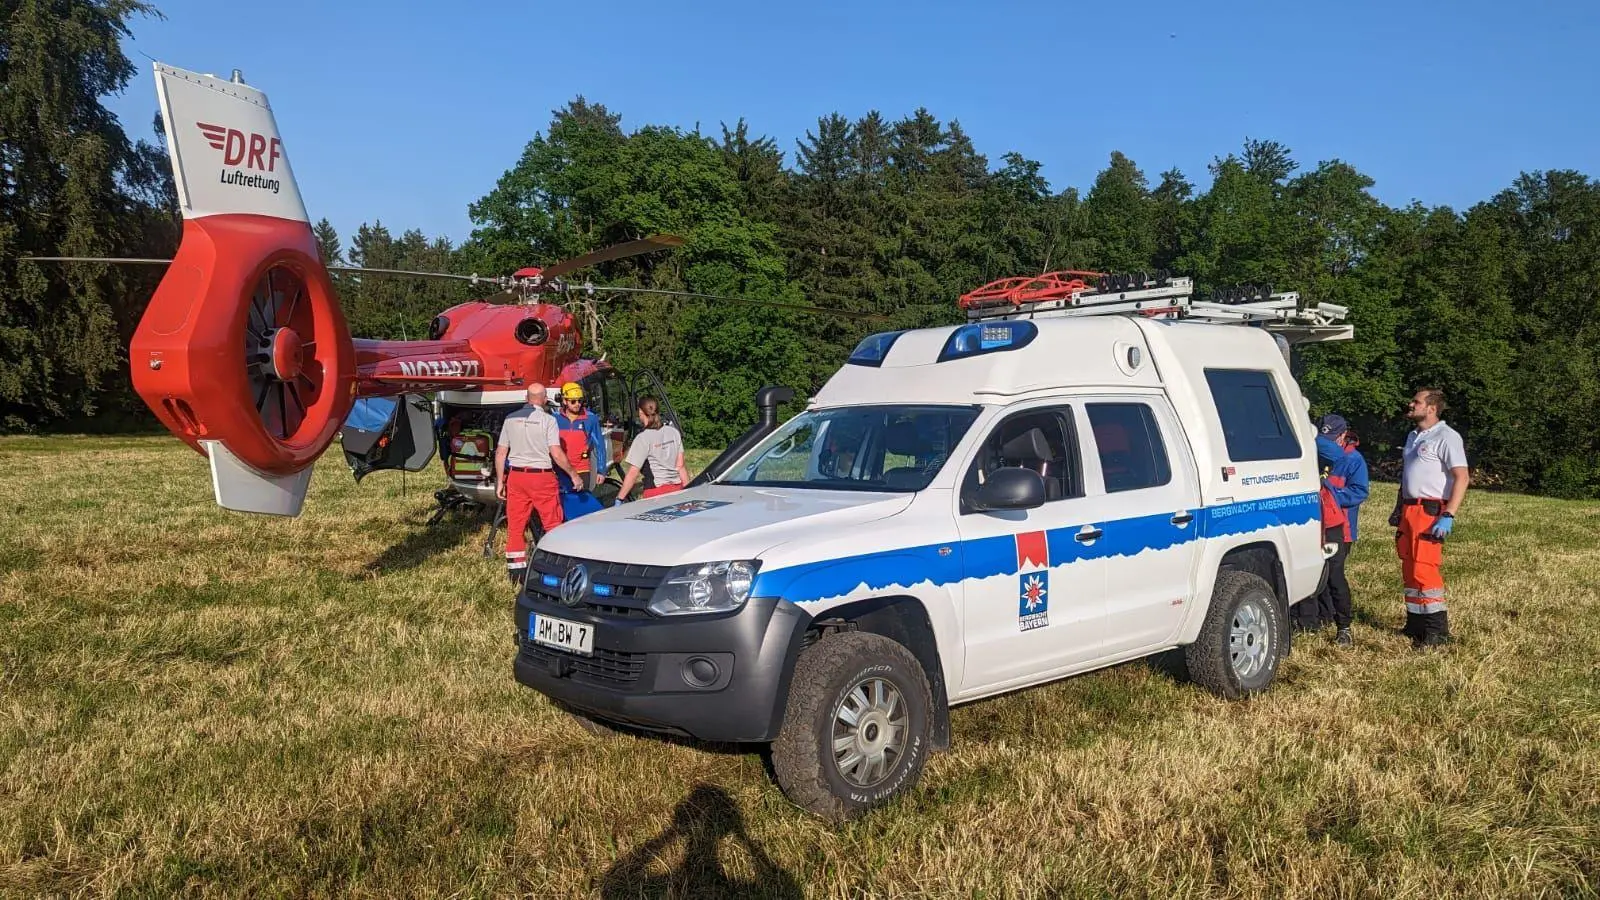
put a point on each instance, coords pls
(253, 151)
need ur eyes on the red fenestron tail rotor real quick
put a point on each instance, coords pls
(286, 383)
(244, 345)
(243, 351)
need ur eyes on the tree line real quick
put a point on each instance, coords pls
(1496, 304)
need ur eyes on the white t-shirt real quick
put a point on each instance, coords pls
(529, 434)
(660, 447)
(1430, 456)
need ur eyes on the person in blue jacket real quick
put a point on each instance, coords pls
(585, 443)
(1344, 480)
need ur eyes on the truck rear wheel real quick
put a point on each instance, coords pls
(856, 729)
(1242, 640)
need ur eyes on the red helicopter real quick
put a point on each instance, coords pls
(244, 353)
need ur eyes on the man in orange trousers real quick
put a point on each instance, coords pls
(1433, 483)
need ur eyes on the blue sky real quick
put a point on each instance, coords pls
(406, 112)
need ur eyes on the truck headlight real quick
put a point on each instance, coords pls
(705, 588)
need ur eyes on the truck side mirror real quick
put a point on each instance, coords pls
(1009, 488)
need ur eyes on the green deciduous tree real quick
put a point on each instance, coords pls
(71, 183)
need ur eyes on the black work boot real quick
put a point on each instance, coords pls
(1344, 637)
(1435, 630)
(1414, 626)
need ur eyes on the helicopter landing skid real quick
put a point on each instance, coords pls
(498, 519)
(451, 500)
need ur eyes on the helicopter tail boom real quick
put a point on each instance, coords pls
(398, 367)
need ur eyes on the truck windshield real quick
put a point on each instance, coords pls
(857, 448)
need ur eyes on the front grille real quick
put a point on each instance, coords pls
(631, 585)
(604, 667)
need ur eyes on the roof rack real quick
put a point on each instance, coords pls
(1070, 294)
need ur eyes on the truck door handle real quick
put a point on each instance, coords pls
(1089, 533)
(1183, 518)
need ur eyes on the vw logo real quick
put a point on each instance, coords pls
(575, 586)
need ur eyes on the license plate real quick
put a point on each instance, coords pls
(575, 636)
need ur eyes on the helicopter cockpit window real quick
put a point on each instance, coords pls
(859, 448)
(613, 406)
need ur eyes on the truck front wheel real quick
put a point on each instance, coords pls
(1241, 642)
(856, 729)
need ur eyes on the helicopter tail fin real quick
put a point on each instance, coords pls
(243, 352)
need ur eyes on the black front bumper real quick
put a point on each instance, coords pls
(642, 670)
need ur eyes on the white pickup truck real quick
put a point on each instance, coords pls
(959, 512)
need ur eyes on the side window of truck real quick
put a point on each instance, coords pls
(1043, 440)
(1254, 424)
(1132, 454)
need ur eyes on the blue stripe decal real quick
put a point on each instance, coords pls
(989, 556)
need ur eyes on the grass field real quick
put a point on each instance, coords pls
(197, 702)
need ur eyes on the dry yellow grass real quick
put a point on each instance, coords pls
(197, 702)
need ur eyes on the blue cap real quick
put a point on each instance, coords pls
(1333, 425)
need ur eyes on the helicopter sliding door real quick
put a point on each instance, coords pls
(611, 399)
(646, 384)
(388, 433)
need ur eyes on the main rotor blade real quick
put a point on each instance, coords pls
(615, 251)
(357, 270)
(352, 270)
(98, 259)
(874, 317)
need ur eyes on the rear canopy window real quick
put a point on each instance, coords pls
(1132, 455)
(1254, 423)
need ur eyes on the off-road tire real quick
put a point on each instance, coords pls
(1210, 658)
(802, 758)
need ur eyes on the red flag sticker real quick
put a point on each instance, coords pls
(1033, 550)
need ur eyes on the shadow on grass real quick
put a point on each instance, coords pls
(700, 822)
(422, 542)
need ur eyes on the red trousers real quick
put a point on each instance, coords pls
(528, 494)
(1420, 556)
(660, 489)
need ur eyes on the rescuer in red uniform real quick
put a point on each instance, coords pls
(525, 461)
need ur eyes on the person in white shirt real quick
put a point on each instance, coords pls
(656, 453)
(525, 461)
(1433, 482)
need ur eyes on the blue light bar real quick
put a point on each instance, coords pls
(604, 590)
(550, 580)
(873, 348)
(988, 337)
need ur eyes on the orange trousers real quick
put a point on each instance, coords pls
(528, 494)
(1420, 556)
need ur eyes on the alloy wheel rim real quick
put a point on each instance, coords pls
(870, 727)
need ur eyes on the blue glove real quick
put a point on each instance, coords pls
(1442, 525)
(1325, 485)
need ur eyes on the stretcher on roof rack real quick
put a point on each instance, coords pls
(1069, 294)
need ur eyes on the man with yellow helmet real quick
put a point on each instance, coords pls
(585, 445)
